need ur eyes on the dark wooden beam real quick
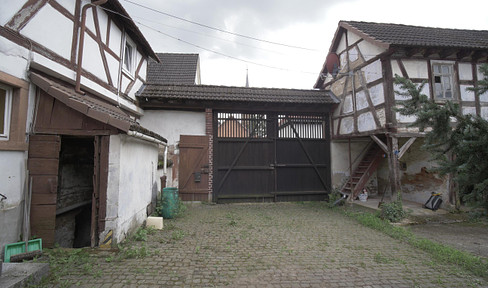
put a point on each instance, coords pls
(409, 52)
(478, 55)
(444, 53)
(463, 53)
(430, 51)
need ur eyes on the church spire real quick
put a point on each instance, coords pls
(247, 77)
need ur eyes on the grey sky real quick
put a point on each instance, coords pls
(304, 23)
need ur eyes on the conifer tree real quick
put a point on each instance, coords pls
(458, 143)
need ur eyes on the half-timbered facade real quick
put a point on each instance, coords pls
(363, 60)
(71, 147)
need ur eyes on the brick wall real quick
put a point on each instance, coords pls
(209, 133)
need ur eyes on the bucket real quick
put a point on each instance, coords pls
(169, 202)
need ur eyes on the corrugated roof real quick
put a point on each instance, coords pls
(175, 68)
(407, 35)
(237, 94)
(90, 105)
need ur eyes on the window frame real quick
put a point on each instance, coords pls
(133, 48)
(442, 76)
(7, 112)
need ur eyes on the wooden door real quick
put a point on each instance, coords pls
(193, 168)
(43, 166)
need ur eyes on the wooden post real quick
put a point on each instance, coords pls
(350, 171)
(393, 167)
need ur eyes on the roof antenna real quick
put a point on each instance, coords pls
(247, 77)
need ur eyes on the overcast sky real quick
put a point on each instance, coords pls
(309, 24)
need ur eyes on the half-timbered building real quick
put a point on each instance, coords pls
(71, 146)
(370, 141)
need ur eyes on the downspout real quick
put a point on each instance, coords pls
(81, 43)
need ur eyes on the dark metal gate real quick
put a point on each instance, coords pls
(271, 157)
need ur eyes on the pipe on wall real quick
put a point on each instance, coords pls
(81, 43)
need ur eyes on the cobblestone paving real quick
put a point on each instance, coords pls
(272, 245)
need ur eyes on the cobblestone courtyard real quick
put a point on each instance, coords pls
(270, 245)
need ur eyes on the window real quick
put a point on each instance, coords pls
(5, 107)
(129, 56)
(443, 84)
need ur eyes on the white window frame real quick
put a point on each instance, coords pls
(8, 110)
(131, 69)
(441, 77)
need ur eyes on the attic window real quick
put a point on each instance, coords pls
(129, 56)
(443, 84)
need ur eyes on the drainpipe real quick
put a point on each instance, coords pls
(81, 44)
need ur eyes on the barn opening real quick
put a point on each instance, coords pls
(75, 190)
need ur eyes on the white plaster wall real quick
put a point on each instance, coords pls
(377, 94)
(115, 39)
(361, 100)
(342, 45)
(352, 37)
(13, 59)
(465, 71)
(7, 14)
(469, 110)
(395, 68)
(373, 72)
(51, 29)
(172, 124)
(369, 50)
(366, 122)
(12, 179)
(92, 60)
(484, 112)
(416, 68)
(133, 183)
(347, 125)
(465, 94)
(348, 107)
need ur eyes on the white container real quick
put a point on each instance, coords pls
(363, 197)
(155, 222)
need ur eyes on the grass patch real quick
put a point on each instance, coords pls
(440, 252)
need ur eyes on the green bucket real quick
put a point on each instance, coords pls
(170, 202)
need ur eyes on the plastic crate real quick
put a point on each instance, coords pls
(19, 247)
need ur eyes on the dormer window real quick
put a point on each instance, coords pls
(129, 56)
(443, 84)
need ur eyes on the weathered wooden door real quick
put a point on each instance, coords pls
(271, 157)
(193, 168)
(43, 166)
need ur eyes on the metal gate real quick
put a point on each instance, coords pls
(271, 157)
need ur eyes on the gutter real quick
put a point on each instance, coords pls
(82, 44)
(152, 140)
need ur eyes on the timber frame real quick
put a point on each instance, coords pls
(371, 54)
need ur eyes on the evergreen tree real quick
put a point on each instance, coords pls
(457, 142)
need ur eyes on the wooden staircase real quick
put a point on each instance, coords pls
(360, 176)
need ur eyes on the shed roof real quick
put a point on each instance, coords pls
(174, 68)
(90, 105)
(237, 94)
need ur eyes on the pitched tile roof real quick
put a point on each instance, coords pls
(173, 69)
(237, 94)
(406, 35)
(90, 105)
